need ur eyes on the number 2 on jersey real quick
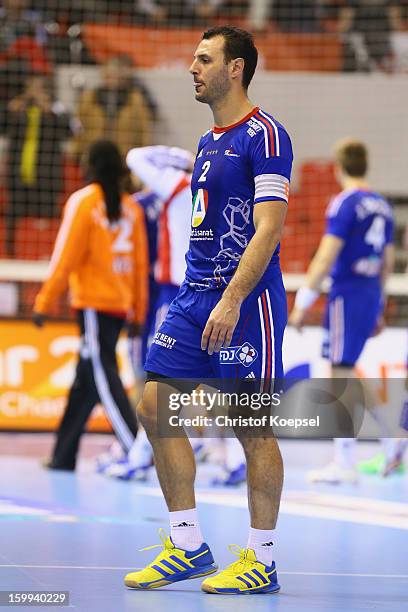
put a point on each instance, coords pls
(122, 242)
(205, 169)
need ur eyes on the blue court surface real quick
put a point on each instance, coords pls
(340, 549)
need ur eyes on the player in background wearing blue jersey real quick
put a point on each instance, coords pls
(228, 319)
(357, 251)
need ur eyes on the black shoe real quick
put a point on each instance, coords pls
(50, 464)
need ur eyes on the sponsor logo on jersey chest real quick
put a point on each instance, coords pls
(230, 152)
(200, 204)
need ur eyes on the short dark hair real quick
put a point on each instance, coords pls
(352, 155)
(237, 43)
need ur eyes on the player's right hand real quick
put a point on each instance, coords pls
(220, 326)
(296, 318)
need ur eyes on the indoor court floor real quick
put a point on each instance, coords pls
(338, 549)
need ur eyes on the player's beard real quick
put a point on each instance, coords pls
(216, 90)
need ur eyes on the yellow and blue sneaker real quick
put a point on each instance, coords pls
(245, 576)
(172, 565)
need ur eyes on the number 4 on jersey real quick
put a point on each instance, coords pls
(375, 235)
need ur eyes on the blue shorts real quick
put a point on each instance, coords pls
(160, 298)
(350, 319)
(256, 347)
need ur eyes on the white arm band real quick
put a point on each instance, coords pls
(305, 298)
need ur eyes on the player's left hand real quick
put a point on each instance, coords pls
(296, 318)
(134, 330)
(220, 326)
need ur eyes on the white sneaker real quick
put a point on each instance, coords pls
(231, 478)
(114, 453)
(123, 470)
(333, 474)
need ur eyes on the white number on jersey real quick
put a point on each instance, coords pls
(122, 242)
(375, 234)
(205, 169)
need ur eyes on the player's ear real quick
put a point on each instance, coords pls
(237, 67)
(338, 172)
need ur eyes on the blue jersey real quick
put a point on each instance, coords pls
(235, 168)
(152, 206)
(364, 220)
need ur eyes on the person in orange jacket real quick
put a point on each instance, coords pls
(101, 253)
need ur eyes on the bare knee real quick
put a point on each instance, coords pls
(147, 408)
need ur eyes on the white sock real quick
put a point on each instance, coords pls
(141, 452)
(185, 529)
(390, 448)
(344, 452)
(402, 447)
(261, 542)
(234, 454)
(388, 444)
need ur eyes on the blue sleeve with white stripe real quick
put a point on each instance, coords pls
(271, 165)
(340, 217)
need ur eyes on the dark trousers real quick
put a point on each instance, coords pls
(97, 380)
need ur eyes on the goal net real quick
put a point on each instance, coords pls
(75, 71)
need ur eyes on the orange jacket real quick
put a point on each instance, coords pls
(106, 265)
